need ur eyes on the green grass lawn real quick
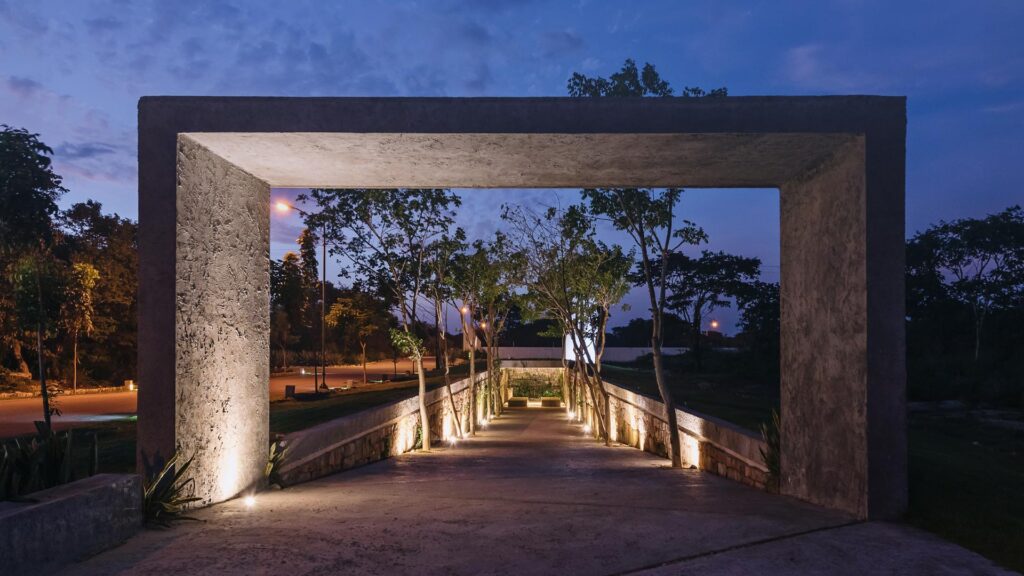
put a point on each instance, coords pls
(731, 398)
(967, 484)
(117, 439)
(291, 415)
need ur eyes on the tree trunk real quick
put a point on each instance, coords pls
(979, 318)
(42, 373)
(362, 346)
(424, 417)
(74, 363)
(670, 406)
(40, 326)
(698, 360)
(472, 387)
(19, 357)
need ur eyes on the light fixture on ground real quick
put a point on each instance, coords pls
(249, 501)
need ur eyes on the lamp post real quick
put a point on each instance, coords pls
(283, 207)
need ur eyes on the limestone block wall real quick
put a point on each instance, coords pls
(372, 435)
(707, 443)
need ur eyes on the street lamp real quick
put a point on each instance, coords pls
(284, 207)
(714, 324)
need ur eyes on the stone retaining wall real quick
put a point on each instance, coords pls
(68, 523)
(373, 434)
(708, 443)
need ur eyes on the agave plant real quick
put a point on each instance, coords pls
(770, 454)
(273, 471)
(166, 495)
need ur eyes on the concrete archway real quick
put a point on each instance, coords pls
(206, 167)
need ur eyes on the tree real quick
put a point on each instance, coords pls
(646, 215)
(632, 82)
(110, 244)
(281, 332)
(470, 273)
(575, 279)
(976, 262)
(290, 304)
(288, 290)
(385, 233)
(29, 190)
(701, 285)
(361, 317)
(441, 253)
(76, 316)
(497, 299)
(37, 294)
(759, 321)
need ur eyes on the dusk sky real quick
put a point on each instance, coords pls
(74, 71)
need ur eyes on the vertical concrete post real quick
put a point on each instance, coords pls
(222, 294)
(842, 387)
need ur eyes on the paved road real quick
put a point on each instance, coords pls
(340, 376)
(17, 415)
(529, 495)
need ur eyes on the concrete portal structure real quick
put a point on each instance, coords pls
(206, 166)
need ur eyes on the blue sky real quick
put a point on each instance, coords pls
(73, 72)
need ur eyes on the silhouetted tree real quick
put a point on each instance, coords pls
(647, 215)
(701, 285)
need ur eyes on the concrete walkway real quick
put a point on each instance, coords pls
(531, 495)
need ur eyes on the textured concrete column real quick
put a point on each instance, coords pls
(222, 287)
(843, 437)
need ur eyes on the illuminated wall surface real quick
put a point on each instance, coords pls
(206, 166)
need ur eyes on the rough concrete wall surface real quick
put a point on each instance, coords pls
(842, 242)
(824, 335)
(69, 523)
(223, 294)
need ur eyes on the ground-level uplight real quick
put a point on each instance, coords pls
(572, 415)
(249, 501)
(586, 428)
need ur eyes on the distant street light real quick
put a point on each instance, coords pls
(284, 207)
(714, 324)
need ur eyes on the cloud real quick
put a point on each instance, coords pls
(475, 34)
(560, 43)
(84, 150)
(23, 87)
(815, 67)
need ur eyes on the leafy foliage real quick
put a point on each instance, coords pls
(167, 494)
(770, 431)
(49, 459)
(701, 285)
(274, 461)
(965, 305)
